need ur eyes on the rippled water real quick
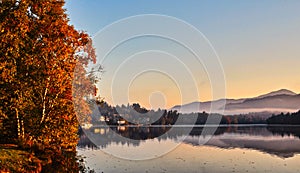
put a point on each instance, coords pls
(254, 148)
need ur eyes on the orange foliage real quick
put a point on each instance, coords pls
(39, 65)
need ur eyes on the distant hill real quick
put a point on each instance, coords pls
(279, 92)
(277, 101)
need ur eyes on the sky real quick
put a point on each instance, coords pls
(257, 46)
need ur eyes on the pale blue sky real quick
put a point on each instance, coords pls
(258, 41)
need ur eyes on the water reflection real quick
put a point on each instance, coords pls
(282, 141)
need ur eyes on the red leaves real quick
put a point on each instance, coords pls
(65, 117)
(95, 91)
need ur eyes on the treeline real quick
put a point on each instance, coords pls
(288, 118)
(136, 115)
(132, 115)
(251, 118)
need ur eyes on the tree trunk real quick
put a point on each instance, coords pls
(20, 126)
(22, 129)
(18, 123)
(44, 105)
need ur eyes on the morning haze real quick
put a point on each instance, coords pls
(257, 42)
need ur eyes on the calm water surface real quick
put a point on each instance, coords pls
(255, 148)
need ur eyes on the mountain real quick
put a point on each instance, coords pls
(279, 92)
(277, 101)
(205, 106)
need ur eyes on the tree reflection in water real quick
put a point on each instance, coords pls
(269, 139)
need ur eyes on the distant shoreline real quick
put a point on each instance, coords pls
(206, 125)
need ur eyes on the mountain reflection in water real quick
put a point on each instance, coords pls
(282, 141)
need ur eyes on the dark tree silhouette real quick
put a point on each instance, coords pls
(288, 118)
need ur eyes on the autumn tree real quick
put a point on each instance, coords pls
(41, 58)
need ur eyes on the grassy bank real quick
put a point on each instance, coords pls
(14, 160)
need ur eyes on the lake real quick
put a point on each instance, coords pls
(240, 148)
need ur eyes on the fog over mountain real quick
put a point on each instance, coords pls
(277, 101)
